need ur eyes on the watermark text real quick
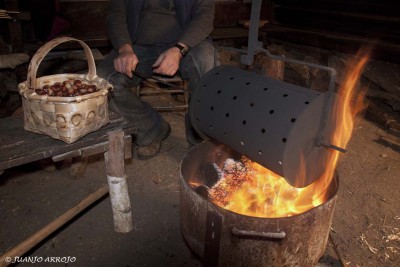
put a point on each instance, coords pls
(39, 259)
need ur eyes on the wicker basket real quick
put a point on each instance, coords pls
(64, 118)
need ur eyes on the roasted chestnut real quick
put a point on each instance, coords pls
(39, 91)
(78, 82)
(68, 88)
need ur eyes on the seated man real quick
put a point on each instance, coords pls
(155, 37)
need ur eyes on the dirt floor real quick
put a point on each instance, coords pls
(365, 229)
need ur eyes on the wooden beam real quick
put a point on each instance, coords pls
(341, 14)
(383, 50)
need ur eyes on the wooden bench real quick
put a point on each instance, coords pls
(18, 146)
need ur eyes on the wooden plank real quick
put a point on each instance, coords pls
(333, 41)
(229, 33)
(339, 25)
(19, 146)
(87, 18)
(228, 14)
(383, 7)
(379, 27)
(94, 150)
(385, 119)
(385, 75)
(339, 13)
(93, 42)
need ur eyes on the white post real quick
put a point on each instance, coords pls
(117, 182)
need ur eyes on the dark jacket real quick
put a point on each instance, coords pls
(196, 18)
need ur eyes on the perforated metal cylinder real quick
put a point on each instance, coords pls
(271, 122)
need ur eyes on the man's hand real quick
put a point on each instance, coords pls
(126, 61)
(168, 62)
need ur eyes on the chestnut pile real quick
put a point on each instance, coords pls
(68, 88)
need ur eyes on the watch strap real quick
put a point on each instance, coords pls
(182, 49)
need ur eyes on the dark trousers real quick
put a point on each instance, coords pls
(148, 121)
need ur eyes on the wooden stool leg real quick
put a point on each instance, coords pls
(117, 182)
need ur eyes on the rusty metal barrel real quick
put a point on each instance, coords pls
(225, 238)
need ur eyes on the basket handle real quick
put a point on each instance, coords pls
(42, 52)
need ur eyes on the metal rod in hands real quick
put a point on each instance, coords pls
(144, 77)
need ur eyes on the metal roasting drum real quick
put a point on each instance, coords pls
(284, 127)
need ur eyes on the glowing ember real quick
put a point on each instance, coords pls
(256, 191)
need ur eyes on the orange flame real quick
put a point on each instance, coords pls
(266, 194)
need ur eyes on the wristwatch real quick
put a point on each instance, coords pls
(182, 49)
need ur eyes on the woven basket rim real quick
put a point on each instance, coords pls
(27, 88)
(30, 93)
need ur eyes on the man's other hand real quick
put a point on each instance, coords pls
(126, 61)
(168, 62)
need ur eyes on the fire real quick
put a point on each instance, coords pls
(263, 193)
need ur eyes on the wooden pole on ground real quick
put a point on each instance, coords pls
(32, 241)
(117, 182)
